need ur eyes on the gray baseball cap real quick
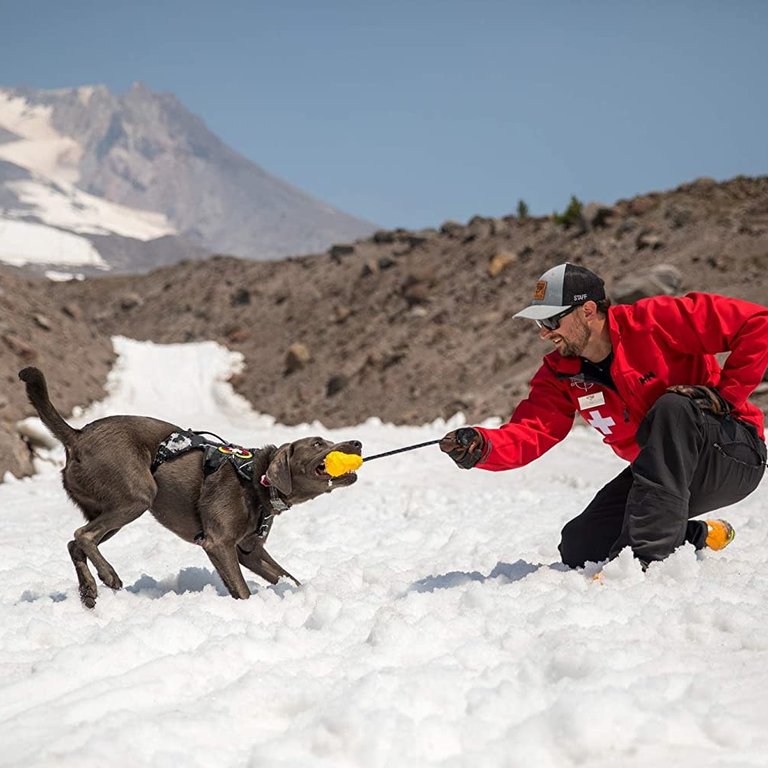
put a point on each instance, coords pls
(561, 287)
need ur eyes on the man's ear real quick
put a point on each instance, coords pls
(279, 470)
(590, 310)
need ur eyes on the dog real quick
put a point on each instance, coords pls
(221, 497)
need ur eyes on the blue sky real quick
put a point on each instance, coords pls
(411, 112)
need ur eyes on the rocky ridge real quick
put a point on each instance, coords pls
(406, 325)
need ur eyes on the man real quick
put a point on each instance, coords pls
(646, 378)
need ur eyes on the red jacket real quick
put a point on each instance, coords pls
(656, 342)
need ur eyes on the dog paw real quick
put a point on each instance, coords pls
(111, 580)
(88, 596)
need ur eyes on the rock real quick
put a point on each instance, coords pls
(678, 217)
(297, 356)
(452, 228)
(628, 225)
(336, 384)
(383, 236)
(236, 333)
(640, 205)
(646, 238)
(33, 431)
(597, 215)
(480, 227)
(19, 347)
(500, 261)
(663, 279)
(43, 322)
(416, 293)
(240, 298)
(15, 456)
(72, 310)
(341, 313)
(130, 301)
(337, 251)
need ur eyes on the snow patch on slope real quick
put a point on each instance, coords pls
(63, 205)
(23, 242)
(41, 148)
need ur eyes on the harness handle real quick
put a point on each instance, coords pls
(206, 432)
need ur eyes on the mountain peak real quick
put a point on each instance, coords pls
(144, 150)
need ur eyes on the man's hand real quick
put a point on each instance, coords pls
(465, 446)
(706, 398)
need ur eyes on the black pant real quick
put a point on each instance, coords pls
(690, 462)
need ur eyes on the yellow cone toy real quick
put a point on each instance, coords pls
(338, 463)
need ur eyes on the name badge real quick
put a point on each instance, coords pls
(591, 401)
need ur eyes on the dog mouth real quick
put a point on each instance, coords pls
(321, 472)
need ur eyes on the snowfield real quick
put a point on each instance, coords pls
(434, 625)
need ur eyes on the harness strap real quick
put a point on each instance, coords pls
(214, 455)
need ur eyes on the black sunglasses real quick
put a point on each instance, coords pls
(553, 323)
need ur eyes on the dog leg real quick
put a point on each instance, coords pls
(85, 546)
(224, 558)
(262, 564)
(87, 584)
(86, 581)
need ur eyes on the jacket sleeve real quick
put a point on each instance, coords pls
(707, 323)
(539, 422)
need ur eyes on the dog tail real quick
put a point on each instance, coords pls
(37, 392)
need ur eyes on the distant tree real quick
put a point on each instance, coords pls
(571, 215)
(522, 209)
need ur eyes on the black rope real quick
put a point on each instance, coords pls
(400, 450)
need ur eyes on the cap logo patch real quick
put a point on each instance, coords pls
(541, 290)
(580, 297)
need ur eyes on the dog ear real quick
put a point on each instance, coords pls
(279, 470)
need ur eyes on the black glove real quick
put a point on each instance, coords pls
(465, 446)
(706, 398)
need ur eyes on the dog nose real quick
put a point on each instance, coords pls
(356, 444)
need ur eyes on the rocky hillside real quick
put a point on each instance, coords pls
(406, 326)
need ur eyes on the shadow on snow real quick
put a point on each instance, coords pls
(507, 571)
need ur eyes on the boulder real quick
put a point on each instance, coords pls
(660, 280)
(297, 356)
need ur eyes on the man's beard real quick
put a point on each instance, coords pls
(576, 347)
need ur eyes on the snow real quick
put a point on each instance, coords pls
(64, 205)
(434, 625)
(24, 242)
(40, 147)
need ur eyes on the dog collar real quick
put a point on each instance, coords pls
(274, 497)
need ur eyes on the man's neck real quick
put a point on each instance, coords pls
(599, 345)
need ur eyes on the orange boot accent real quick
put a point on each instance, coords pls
(720, 534)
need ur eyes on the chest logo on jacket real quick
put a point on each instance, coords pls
(647, 377)
(581, 383)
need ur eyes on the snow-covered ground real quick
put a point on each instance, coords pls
(434, 625)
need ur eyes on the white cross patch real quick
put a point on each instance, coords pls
(598, 421)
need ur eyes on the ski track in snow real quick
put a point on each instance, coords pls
(434, 625)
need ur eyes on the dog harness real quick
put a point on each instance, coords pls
(214, 456)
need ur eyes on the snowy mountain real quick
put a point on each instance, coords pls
(93, 180)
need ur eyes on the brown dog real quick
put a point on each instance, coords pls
(120, 466)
